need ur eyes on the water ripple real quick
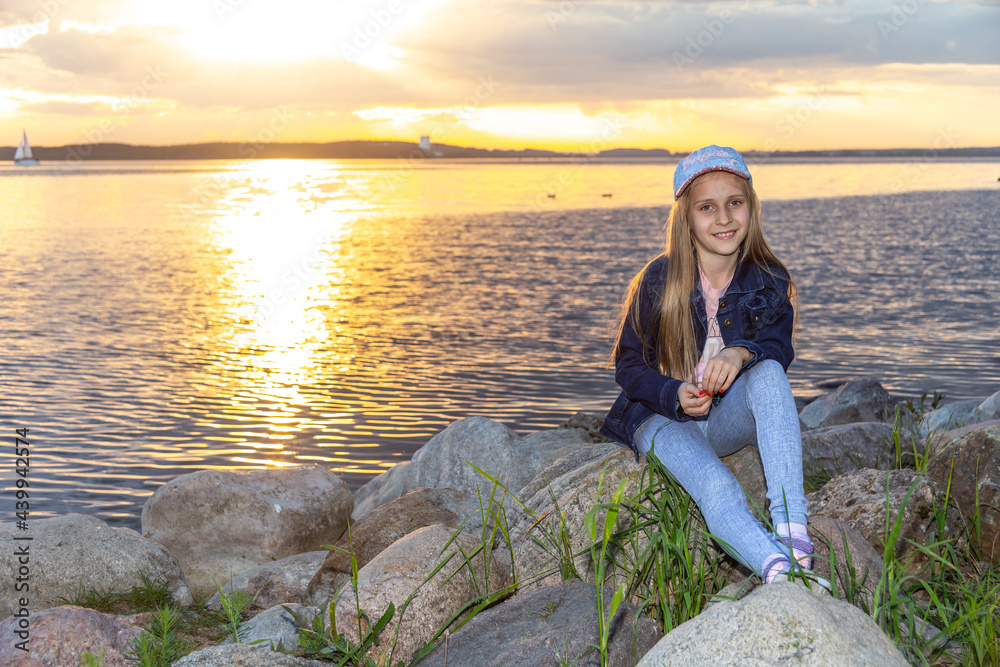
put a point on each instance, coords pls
(147, 336)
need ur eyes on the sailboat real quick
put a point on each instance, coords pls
(23, 157)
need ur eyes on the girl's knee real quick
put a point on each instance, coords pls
(769, 366)
(767, 370)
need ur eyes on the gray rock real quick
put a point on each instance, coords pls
(241, 655)
(857, 567)
(975, 460)
(556, 455)
(571, 461)
(863, 400)
(588, 421)
(76, 550)
(835, 450)
(393, 483)
(932, 636)
(399, 571)
(951, 416)
(220, 523)
(776, 624)
(535, 530)
(554, 444)
(58, 637)
(276, 627)
(735, 590)
(550, 626)
(444, 462)
(572, 485)
(990, 408)
(378, 529)
(859, 500)
(282, 581)
(956, 433)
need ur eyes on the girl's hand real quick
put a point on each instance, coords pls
(722, 369)
(694, 401)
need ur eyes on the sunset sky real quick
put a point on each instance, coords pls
(558, 74)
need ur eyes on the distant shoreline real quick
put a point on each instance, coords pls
(399, 150)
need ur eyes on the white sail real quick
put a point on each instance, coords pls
(27, 147)
(23, 156)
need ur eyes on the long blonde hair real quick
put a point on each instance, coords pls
(677, 353)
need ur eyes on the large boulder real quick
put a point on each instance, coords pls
(835, 450)
(537, 529)
(241, 655)
(971, 464)
(77, 551)
(270, 584)
(399, 571)
(863, 400)
(571, 461)
(781, 623)
(990, 408)
(951, 416)
(859, 500)
(220, 523)
(393, 483)
(447, 461)
(549, 626)
(59, 636)
(956, 433)
(571, 484)
(378, 529)
(843, 556)
(554, 444)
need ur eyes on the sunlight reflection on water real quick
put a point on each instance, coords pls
(169, 317)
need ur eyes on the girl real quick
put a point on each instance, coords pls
(701, 354)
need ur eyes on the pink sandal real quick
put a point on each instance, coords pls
(802, 550)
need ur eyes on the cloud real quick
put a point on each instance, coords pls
(146, 62)
(597, 56)
(21, 12)
(122, 56)
(543, 51)
(572, 43)
(69, 108)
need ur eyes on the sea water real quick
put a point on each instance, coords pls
(165, 317)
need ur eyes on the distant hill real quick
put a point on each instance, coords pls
(639, 152)
(928, 154)
(396, 150)
(340, 150)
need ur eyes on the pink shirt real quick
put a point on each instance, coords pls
(713, 342)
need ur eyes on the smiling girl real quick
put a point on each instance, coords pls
(701, 353)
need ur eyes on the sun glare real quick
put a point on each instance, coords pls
(361, 31)
(280, 267)
(556, 122)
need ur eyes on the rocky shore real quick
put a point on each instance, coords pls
(483, 548)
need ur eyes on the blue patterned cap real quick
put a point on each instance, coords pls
(709, 158)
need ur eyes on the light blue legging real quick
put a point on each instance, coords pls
(757, 409)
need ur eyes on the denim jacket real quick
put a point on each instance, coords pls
(754, 313)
